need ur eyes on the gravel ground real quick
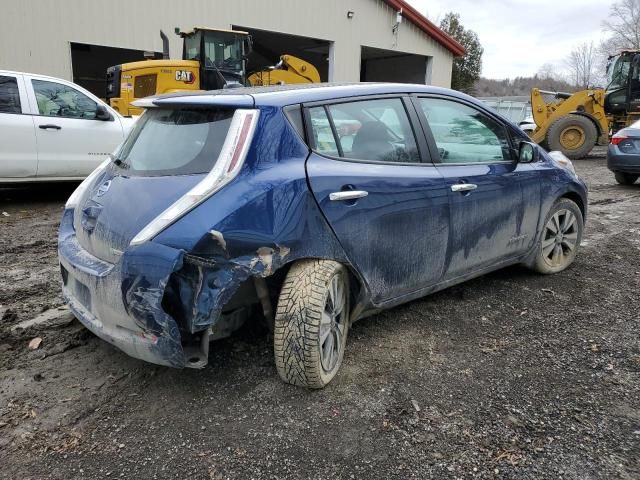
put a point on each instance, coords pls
(512, 375)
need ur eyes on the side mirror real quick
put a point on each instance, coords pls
(102, 113)
(528, 152)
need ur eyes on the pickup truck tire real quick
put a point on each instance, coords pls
(560, 238)
(573, 135)
(625, 178)
(311, 323)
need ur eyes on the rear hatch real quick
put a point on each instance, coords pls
(167, 153)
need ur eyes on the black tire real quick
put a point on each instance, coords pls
(304, 298)
(566, 126)
(545, 260)
(625, 178)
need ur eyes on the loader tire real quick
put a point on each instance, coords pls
(311, 324)
(573, 135)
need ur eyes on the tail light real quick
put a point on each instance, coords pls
(230, 161)
(617, 138)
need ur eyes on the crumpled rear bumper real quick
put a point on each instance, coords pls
(121, 303)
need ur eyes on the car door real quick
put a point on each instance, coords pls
(72, 142)
(474, 155)
(18, 154)
(382, 197)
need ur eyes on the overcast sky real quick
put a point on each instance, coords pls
(519, 36)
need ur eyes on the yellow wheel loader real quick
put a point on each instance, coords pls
(290, 69)
(574, 123)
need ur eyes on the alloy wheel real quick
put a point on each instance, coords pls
(560, 238)
(333, 324)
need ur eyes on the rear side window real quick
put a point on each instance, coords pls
(323, 138)
(9, 95)
(175, 142)
(377, 130)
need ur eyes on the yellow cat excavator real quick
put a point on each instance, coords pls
(574, 123)
(211, 59)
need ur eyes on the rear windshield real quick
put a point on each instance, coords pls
(175, 142)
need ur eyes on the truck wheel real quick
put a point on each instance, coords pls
(573, 135)
(311, 323)
(625, 178)
(560, 238)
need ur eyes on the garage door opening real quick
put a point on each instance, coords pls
(377, 65)
(90, 63)
(268, 46)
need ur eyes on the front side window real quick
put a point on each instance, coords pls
(175, 142)
(377, 130)
(464, 134)
(9, 95)
(58, 100)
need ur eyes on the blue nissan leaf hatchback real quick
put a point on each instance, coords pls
(311, 207)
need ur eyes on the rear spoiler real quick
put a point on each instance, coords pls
(198, 100)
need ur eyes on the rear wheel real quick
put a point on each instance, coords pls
(625, 178)
(311, 324)
(560, 238)
(573, 135)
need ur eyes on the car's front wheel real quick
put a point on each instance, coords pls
(560, 238)
(625, 178)
(311, 324)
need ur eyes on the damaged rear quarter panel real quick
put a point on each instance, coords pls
(264, 219)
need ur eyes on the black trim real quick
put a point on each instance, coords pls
(336, 137)
(356, 98)
(293, 114)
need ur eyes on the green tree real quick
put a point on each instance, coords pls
(466, 69)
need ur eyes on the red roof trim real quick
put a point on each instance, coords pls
(427, 26)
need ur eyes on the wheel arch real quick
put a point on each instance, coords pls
(357, 285)
(578, 200)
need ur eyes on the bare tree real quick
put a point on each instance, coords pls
(581, 62)
(623, 26)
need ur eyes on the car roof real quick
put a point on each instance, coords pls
(36, 75)
(282, 95)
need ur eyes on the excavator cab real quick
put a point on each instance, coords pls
(222, 55)
(622, 95)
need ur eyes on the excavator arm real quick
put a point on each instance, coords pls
(290, 69)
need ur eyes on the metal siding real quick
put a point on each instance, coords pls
(46, 27)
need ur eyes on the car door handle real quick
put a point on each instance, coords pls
(50, 125)
(463, 187)
(347, 195)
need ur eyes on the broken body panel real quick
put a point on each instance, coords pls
(262, 221)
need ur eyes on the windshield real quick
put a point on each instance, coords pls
(174, 142)
(618, 72)
(223, 50)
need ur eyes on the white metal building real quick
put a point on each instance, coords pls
(347, 40)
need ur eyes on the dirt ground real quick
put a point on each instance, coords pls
(513, 375)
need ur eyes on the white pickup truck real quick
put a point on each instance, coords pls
(53, 130)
